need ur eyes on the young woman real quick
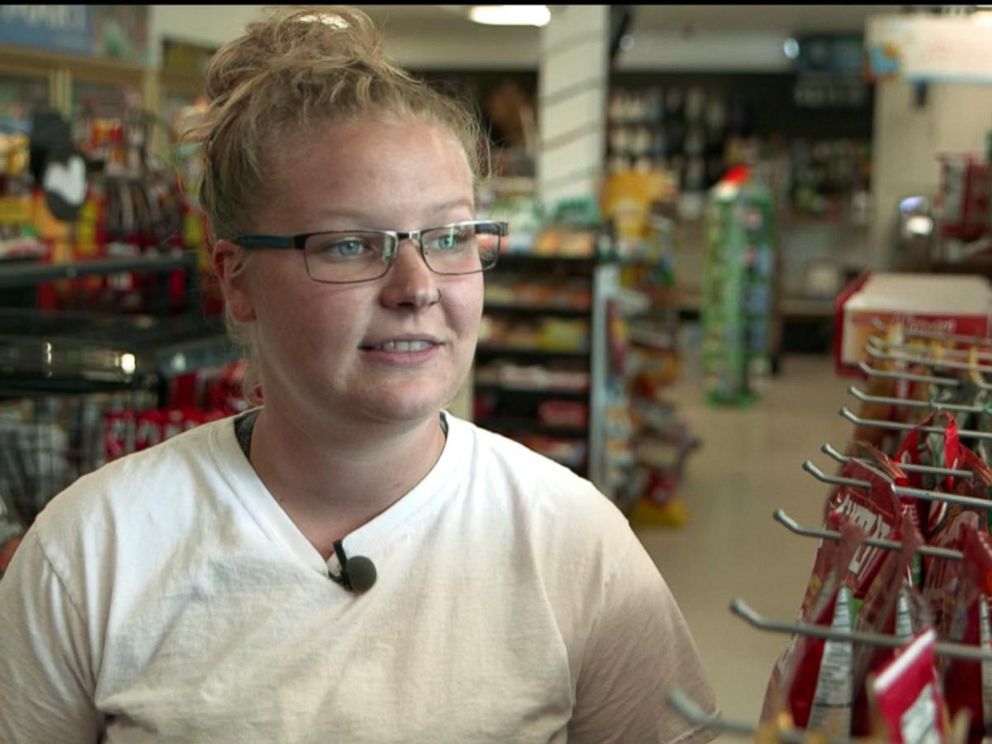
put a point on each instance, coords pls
(346, 562)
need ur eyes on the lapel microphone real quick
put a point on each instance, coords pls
(357, 573)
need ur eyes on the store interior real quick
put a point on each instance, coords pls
(722, 219)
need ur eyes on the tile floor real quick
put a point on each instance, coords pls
(749, 465)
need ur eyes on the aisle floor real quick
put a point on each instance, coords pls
(749, 465)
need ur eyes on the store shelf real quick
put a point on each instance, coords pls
(520, 425)
(531, 310)
(543, 393)
(532, 262)
(33, 273)
(489, 350)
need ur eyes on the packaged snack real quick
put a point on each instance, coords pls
(891, 606)
(907, 694)
(945, 530)
(938, 450)
(875, 509)
(118, 433)
(813, 675)
(968, 684)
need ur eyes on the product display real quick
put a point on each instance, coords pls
(726, 196)
(738, 288)
(912, 562)
(534, 378)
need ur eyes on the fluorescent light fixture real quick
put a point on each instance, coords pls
(510, 15)
(919, 225)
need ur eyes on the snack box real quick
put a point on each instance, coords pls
(956, 304)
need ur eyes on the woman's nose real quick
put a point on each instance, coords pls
(409, 280)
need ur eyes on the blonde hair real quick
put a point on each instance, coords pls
(297, 67)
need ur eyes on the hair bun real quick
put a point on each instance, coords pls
(321, 38)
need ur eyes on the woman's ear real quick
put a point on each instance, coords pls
(230, 264)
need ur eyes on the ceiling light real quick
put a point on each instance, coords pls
(510, 15)
(791, 48)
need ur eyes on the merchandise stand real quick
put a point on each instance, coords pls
(80, 387)
(927, 392)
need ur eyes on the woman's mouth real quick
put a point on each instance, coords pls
(402, 346)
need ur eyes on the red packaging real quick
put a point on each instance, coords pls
(148, 429)
(968, 684)
(907, 693)
(118, 433)
(891, 607)
(796, 676)
(876, 510)
(945, 531)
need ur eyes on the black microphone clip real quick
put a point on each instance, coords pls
(357, 573)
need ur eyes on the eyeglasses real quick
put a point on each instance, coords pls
(347, 256)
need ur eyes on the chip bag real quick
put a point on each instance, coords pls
(907, 696)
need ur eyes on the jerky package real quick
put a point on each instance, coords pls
(938, 450)
(944, 530)
(813, 674)
(801, 679)
(907, 694)
(892, 606)
(968, 684)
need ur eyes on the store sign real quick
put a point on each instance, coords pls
(63, 28)
(918, 48)
(115, 31)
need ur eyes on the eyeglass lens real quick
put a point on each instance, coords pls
(362, 255)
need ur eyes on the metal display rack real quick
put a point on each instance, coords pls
(73, 383)
(944, 370)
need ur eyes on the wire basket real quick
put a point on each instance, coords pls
(48, 441)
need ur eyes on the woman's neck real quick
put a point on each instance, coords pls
(331, 482)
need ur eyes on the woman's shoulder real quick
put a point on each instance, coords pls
(534, 484)
(141, 483)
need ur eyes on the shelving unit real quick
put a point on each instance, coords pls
(81, 386)
(535, 380)
(86, 351)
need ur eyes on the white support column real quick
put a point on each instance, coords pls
(573, 82)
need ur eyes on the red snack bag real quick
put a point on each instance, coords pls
(968, 684)
(876, 510)
(907, 694)
(174, 421)
(118, 433)
(945, 531)
(799, 682)
(798, 678)
(891, 606)
(148, 429)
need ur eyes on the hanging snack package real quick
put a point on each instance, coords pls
(906, 694)
(892, 606)
(968, 684)
(812, 686)
(944, 530)
(811, 681)
(941, 450)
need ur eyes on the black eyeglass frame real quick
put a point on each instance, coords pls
(299, 241)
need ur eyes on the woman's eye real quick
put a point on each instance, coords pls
(345, 248)
(453, 240)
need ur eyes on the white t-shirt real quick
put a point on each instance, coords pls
(167, 597)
